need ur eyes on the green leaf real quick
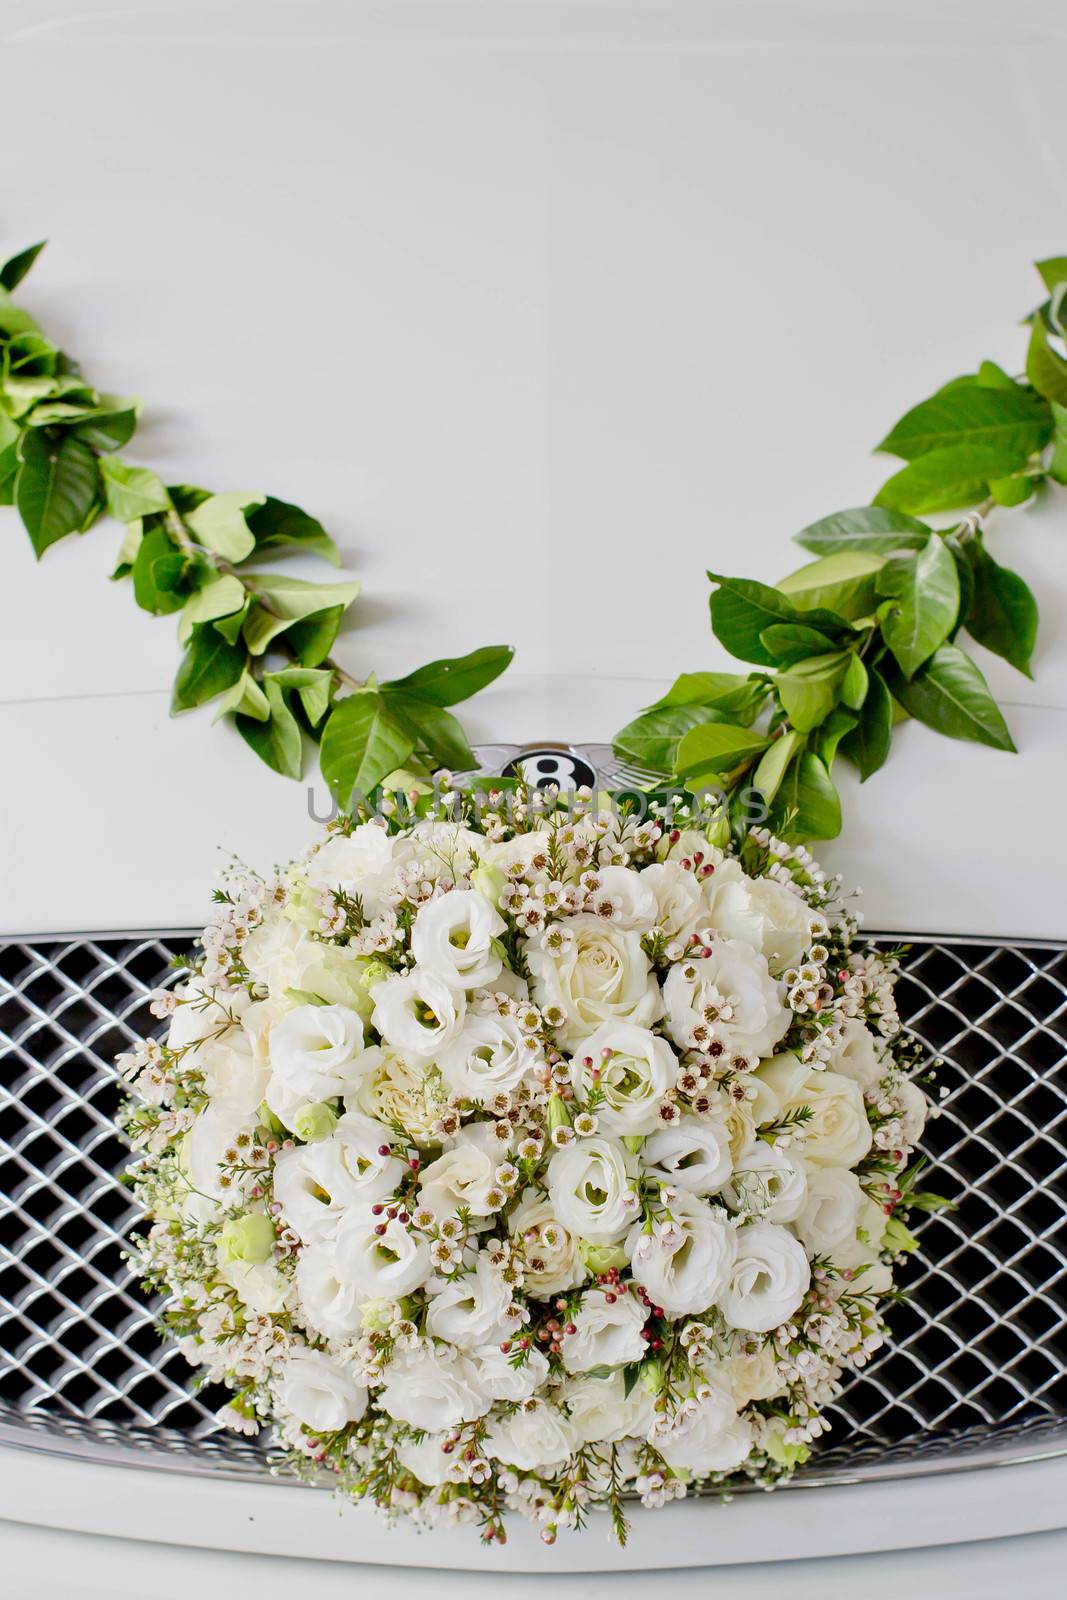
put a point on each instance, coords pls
(843, 583)
(221, 596)
(208, 666)
(946, 479)
(950, 695)
(877, 529)
(290, 600)
(831, 732)
(990, 376)
(1058, 464)
(855, 683)
(312, 640)
(807, 804)
(809, 690)
(15, 268)
(132, 492)
(1013, 491)
(361, 744)
(56, 486)
(106, 429)
(867, 745)
(1003, 613)
(445, 683)
(1045, 367)
(774, 763)
(14, 319)
(651, 739)
(735, 695)
(157, 567)
(439, 733)
(219, 523)
(789, 642)
(244, 696)
(926, 590)
(1053, 271)
(277, 741)
(717, 747)
(1011, 419)
(740, 610)
(276, 523)
(312, 684)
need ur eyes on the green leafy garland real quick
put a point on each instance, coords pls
(868, 631)
(256, 643)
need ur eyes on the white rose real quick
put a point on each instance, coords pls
(430, 1463)
(452, 939)
(763, 913)
(704, 1435)
(915, 1108)
(769, 1279)
(465, 1174)
(680, 907)
(503, 1377)
(329, 1297)
(858, 1056)
(433, 1388)
(589, 1185)
(693, 1153)
(768, 1183)
(831, 1211)
(315, 1184)
(360, 863)
(257, 1285)
(473, 1308)
(752, 1376)
(417, 1013)
(729, 998)
(837, 1133)
(601, 1411)
(319, 1392)
(395, 1090)
(684, 1262)
(233, 1078)
(551, 1262)
(491, 1056)
(603, 975)
(316, 1051)
(623, 898)
(537, 1436)
(635, 1069)
(608, 1327)
(380, 1256)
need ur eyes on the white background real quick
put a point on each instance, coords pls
(543, 309)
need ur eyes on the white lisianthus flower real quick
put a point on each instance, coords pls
(474, 1308)
(601, 1411)
(234, 1078)
(198, 1015)
(704, 1435)
(329, 1297)
(537, 1436)
(491, 1055)
(730, 998)
(526, 852)
(608, 1327)
(635, 1068)
(430, 1462)
(591, 1190)
(418, 1014)
(752, 1376)
(686, 1259)
(393, 1089)
(768, 1183)
(281, 955)
(858, 1056)
(690, 849)
(315, 1184)
(381, 1256)
(603, 975)
(763, 913)
(837, 1133)
(551, 1262)
(680, 906)
(203, 1154)
(432, 1388)
(318, 1392)
(769, 1279)
(692, 1153)
(452, 939)
(464, 1175)
(831, 1212)
(624, 898)
(361, 863)
(502, 1376)
(315, 1051)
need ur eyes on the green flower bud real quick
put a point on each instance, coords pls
(786, 1455)
(315, 1122)
(558, 1115)
(898, 1239)
(719, 831)
(372, 974)
(489, 881)
(302, 903)
(633, 1142)
(601, 1257)
(247, 1238)
(650, 1376)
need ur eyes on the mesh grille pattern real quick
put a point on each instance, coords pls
(978, 1350)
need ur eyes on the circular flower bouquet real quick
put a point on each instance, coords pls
(521, 1155)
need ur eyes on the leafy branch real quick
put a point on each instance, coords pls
(256, 643)
(868, 633)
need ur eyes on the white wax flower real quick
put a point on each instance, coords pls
(418, 1014)
(729, 997)
(591, 1189)
(635, 1068)
(692, 1153)
(769, 1278)
(452, 939)
(319, 1393)
(685, 1260)
(433, 1388)
(608, 1327)
(603, 975)
(491, 1055)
